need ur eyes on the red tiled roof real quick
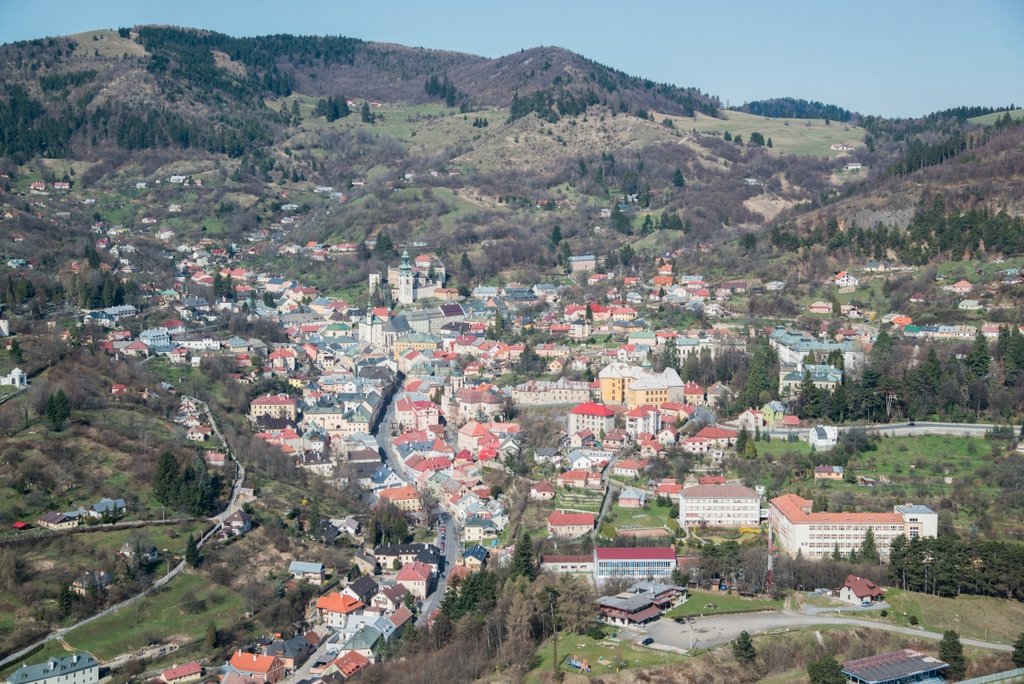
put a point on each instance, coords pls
(654, 553)
(793, 506)
(558, 518)
(592, 409)
(862, 587)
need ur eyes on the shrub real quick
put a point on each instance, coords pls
(884, 613)
(913, 619)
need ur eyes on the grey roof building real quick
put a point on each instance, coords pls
(79, 668)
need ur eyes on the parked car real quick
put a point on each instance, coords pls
(648, 641)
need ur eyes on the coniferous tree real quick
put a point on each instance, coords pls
(58, 410)
(978, 359)
(523, 563)
(951, 651)
(868, 548)
(165, 478)
(743, 648)
(1018, 651)
(193, 556)
(826, 671)
(677, 179)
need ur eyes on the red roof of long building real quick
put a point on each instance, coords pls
(639, 553)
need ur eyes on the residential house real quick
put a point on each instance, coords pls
(182, 674)
(259, 668)
(55, 520)
(335, 608)
(570, 525)
(542, 491)
(827, 472)
(238, 522)
(632, 497)
(307, 572)
(363, 589)
(859, 590)
(417, 578)
(291, 652)
(478, 529)
(845, 279)
(406, 498)
(823, 437)
(475, 558)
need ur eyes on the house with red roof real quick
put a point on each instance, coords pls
(719, 436)
(857, 590)
(335, 608)
(579, 479)
(643, 419)
(694, 394)
(260, 668)
(348, 665)
(592, 416)
(628, 468)
(570, 525)
(416, 577)
(181, 674)
(542, 491)
(472, 436)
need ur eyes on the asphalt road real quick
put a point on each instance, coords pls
(453, 530)
(721, 629)
(905, 429)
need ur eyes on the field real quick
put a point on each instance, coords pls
(989, 119)
(584, 500)
(604, 657)
(654, 515)
(724, 603)
(791, 136)
(975, 617)
(104, 453)
(183, 609)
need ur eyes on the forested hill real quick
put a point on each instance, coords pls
(793, 108)
(157, 86)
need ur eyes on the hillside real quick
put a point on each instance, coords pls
(452, 150)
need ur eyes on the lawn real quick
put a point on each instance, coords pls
(654, 515)
(584, 500)
(160, 616)
(792, 136)
(980, 617)
(605, 657)
(724, 603)
(989, 119)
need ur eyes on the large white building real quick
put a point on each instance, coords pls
(79, 668)
(816, 535)
(719, 506)
(592, 416)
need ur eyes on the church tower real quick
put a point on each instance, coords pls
(406, 287)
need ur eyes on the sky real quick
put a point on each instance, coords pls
(885, 57)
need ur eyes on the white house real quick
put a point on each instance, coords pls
(845, 279)
(823, 437)
(16, 378)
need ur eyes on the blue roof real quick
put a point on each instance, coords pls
(303, 567)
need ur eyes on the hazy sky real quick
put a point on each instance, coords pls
(888, 57)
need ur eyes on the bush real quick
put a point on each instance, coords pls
(913, 619)
(884, 613)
